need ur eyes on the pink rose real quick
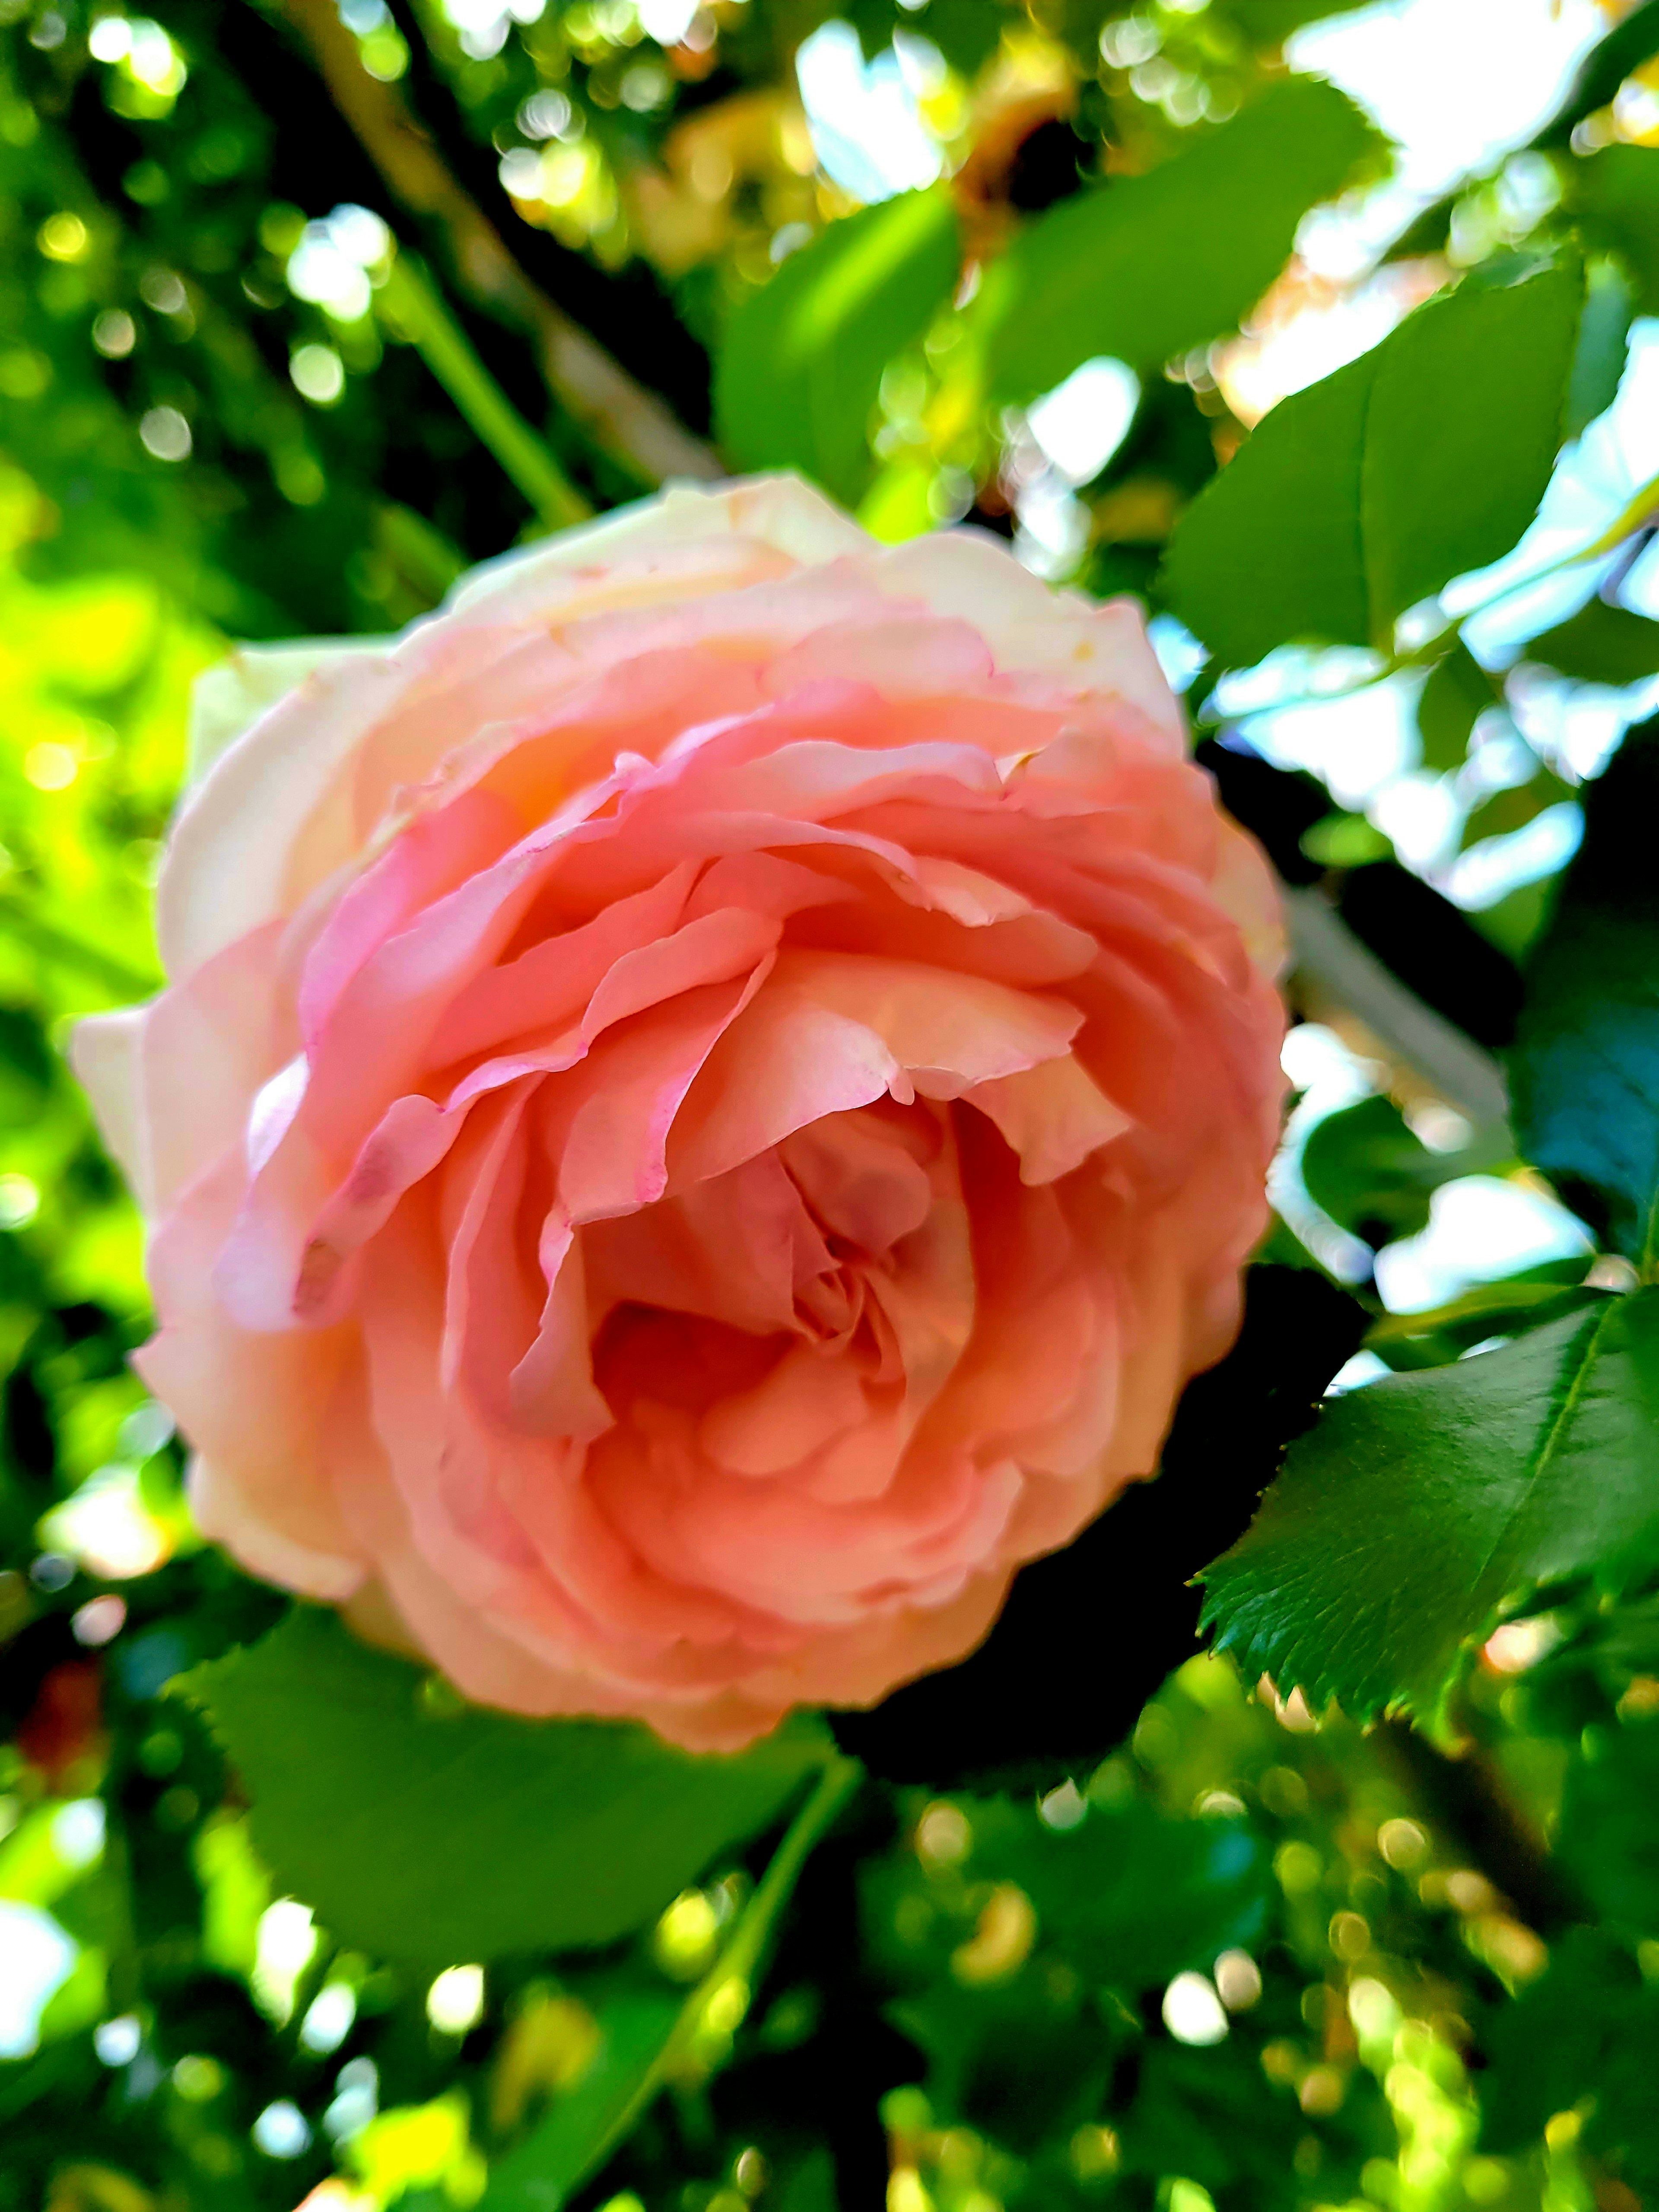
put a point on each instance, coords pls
(711, 1097)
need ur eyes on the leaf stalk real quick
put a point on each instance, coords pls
(715, 2009)
(412, 303)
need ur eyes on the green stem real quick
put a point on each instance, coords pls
(714, 2009)
(414, 305)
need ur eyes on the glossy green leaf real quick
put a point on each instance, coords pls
(1457, 693)
(1600, 645)
(1585, 1063)
(418, 1830)
(1334, 518)
(798, 371)
(1144, 268)
(1421, 1504)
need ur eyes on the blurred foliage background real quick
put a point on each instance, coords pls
(305, 306)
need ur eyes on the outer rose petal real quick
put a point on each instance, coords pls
(104, 1053)
(711, 1097)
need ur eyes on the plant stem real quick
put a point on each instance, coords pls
(413, 303)
(717, 2005)
(1465, 1074)
(632, 425)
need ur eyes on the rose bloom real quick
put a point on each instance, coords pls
(711, 1097)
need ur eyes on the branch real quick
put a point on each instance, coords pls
(1468, 1797)
(624, 420)
(417, 310)
(1325, 950)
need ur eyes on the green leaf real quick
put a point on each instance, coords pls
(443, 1835)
(1419, 1506)
(1346, 840)
(650, 2039)
(1144, 268)
(1442, 1334)
(1598, 361)
(1368, 1171)
(1128, 1897)
(1270, 22)
(1603, 69)
(1130, 1894)
(1582, 2035)
(558, 2152)
(1458, 693)
(1584, 1067)
(1517, 805)
(1334, 516)
(1608, 1840)
(1600, 645)
(798, 371)
(1616, 194)
(966, 31)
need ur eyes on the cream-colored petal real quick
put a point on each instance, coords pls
(222, 1513)
(228, 699)
(783, 512)
(1094, 646)
(227, 861)
(103, 1051)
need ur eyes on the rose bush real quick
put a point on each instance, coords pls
(710, 1097)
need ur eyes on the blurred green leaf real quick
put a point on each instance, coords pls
(1440, 1333)
(1144, 268)
(538, 2175)
(1502, 812)
(966, 31)
(1585, 1062)
(800, 366)
(1600, 644)
(1368, 1171)
(1269, 22)
(1582, 2037)
(1334, 519)
(1418, 1506)
(1126, 1899)
(1457, 693)
(1603, 69)
(444, 1835)
(1608, 1839)
(1615, 194)
(1134, 1896)
(1598, 361)
(1346, 840)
